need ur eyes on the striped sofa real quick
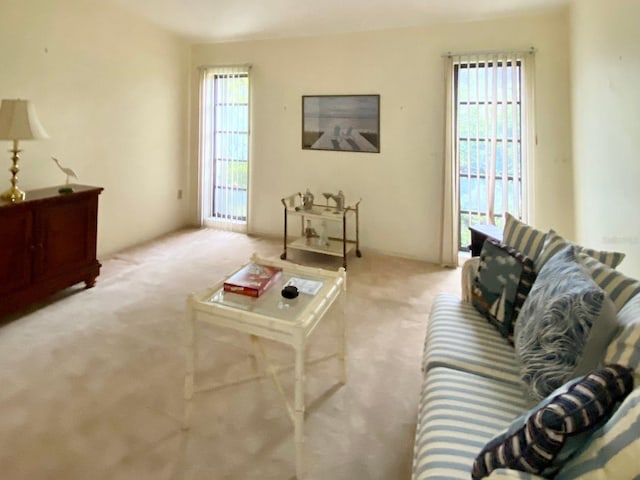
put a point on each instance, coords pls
(471, 391)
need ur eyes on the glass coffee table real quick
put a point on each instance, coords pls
(275, 318)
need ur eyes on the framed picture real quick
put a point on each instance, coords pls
(346, 123)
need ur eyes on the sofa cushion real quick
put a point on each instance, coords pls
(507, 473)
(618, 286)
(502, 283)
(457, 414)
(524, 238)
(459, 337)
(564, 327)
(554, 242)
(541, 440)
(624, 349)
(614, 451)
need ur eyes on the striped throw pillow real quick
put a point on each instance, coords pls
(543, 439)
(618, 286)
(522, 237)
(554, 242)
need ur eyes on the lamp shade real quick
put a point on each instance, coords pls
(18, 121)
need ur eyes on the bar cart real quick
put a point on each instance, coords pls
(309, 239)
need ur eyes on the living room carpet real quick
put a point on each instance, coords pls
(91, 382)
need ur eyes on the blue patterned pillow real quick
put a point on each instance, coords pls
(564, 326)
(541, 440)
(501, 285)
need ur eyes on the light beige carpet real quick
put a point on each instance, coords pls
(91, 383)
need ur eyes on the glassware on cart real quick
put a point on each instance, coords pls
(309, 233)
(339, 199)
(307, 200)
(327, 196)
(323, 238)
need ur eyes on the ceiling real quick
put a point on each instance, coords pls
(227, 20)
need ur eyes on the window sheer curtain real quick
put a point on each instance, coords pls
(223, 148)
(449, 219)
(489, 125)
(205, 153)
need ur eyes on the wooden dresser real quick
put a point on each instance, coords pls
(47, 243)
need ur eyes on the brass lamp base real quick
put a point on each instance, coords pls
(13, 195)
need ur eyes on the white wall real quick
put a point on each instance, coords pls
(605, 46)
(112, 92)
(400, 187)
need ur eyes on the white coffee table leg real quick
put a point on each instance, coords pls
(189, 377)
(342, 339)
(298, 422)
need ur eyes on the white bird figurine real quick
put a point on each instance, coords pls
(67, 171)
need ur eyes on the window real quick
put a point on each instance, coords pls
(489, 123)
(224, 146)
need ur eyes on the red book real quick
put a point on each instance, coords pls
(251, 280)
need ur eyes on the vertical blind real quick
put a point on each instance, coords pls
(489, 123)
(224, 143)
(489, 135)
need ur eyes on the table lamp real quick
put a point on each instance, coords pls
(18, 121)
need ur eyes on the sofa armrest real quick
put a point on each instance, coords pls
(469, 269)
(507, 473)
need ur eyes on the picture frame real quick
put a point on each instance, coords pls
(346, 123)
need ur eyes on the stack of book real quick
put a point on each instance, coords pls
(252, 280)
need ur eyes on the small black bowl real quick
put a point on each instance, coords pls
(290, 291)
